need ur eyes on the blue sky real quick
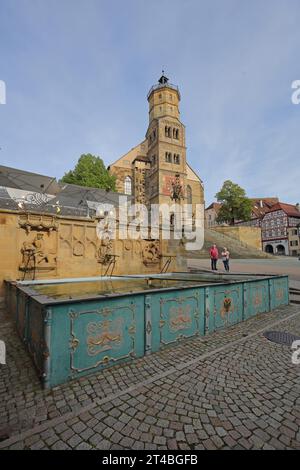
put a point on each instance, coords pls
(77, 74)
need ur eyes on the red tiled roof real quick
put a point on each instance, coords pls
(289, 209)
(214, 205)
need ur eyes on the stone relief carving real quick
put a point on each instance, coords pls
(105, 254)
(151, 253)
(43, 223)
(35, 255)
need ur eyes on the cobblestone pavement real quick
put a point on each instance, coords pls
(231, 389)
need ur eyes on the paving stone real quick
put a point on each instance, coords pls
(236, 399)
(74, 441)
(60, 445)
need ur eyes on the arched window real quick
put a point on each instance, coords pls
(189, 194)
(176, 158)
(166, 131)
(128, 186)
(177, 134)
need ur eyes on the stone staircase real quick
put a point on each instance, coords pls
(294, 295)
(237, 248)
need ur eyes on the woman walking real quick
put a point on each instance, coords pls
(225, 258)
(214, 255)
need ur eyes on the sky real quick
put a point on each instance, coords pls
(77, 73)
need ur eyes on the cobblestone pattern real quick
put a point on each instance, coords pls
(244, 396)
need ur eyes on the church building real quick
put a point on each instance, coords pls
(156, 170)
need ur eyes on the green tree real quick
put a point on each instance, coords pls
(90, 171)
(234, 203)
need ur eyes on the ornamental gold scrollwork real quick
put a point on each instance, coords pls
(180, 317)
(228, 307)
(74, 343)
(103, 336)
(258, 299)
(279, 294)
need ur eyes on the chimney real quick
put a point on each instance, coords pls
(298, 206)
(261, 203)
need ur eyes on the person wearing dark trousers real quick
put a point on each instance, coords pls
(214, 255)
(225, 258)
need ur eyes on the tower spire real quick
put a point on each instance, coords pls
(163, 79)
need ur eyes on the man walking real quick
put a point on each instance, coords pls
(214, 255)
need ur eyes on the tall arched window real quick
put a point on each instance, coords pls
(128, 185)
(189, 194)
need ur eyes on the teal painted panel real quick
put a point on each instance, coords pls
(35, 340)
(279, 291)
(21, 314)
(91, 335)
(14, 292)
(224, 306)
(256, 298)
(174, 316)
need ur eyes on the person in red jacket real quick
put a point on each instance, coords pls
(214, 255)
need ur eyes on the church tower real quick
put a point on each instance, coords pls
(156, 170)
(166, 145)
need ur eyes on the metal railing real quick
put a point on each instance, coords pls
(163, 85)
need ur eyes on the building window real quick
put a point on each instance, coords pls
(167, 131)
(168, 157)
(189, 194)
(128, 186)
(176, 158)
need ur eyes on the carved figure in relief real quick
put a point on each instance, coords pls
(151, 253)
(34, 253)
